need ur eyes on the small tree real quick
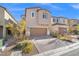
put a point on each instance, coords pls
(70, 30)
(13, 29)
(22, 28)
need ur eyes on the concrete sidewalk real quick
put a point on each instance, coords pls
(74, 52)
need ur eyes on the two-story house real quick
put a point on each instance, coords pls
(59, 25)
(38, 21)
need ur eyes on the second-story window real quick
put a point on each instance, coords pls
(61, 20)
(33, 14)
(44, 16)
(55, 20)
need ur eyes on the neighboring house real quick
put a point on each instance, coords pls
(72, 24)
(38, 21)
(59, 25)
(5, 18)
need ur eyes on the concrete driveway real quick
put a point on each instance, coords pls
(43, 45)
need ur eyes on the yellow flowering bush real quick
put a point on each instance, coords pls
(27, 47)
(63, 37)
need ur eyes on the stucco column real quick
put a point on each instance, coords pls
(28, 32)
(48, 32)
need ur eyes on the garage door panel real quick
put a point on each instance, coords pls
(38, 31)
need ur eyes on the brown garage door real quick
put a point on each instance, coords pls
(38, 31)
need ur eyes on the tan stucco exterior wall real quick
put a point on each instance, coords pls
(31, 21)
(44, 21)
(1, 16)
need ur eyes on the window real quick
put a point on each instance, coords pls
(33, 14)
(44, 16)
(55, 20)
(61, 20)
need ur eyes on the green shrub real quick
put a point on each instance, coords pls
(76, 32)
(62, 38)
(18, 47)
(1, 43)
(25, 46)
(53, 34)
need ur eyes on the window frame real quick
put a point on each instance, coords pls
(45, 16)
(32, 14)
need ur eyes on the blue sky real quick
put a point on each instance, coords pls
(68, 10)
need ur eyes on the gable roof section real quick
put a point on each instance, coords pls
(13, 19)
